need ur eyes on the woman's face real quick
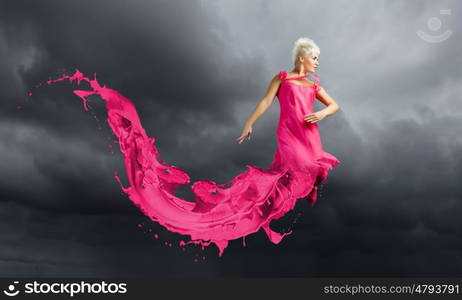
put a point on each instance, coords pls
(310, 62)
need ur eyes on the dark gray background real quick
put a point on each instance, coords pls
(195, 70)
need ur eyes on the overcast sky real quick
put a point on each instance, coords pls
(195, 71)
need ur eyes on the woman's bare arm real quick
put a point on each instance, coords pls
(330, 109)
(261, 108)
(332, 106)
(266, 101)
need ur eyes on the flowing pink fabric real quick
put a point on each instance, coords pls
(221, 212)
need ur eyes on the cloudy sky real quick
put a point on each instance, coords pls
(195, 70)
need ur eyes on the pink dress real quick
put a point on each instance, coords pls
(220, 212)
(299, 142)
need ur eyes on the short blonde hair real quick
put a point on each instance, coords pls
(302, 47)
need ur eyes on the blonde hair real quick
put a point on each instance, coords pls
(302, 47)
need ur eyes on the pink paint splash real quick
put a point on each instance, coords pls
(221, 212)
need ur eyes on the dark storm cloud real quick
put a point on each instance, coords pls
(163, 55)
(195, 70)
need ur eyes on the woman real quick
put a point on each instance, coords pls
(299, 142)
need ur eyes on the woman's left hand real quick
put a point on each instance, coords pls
(314, 117)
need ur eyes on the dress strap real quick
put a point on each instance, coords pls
(316, 79)
(283, 76)
(297, 77)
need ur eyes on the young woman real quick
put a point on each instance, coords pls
(299, 142)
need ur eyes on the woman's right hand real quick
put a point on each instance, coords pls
(246, 133)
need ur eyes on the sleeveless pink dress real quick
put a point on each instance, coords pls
(220, 212)
(299, 142)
